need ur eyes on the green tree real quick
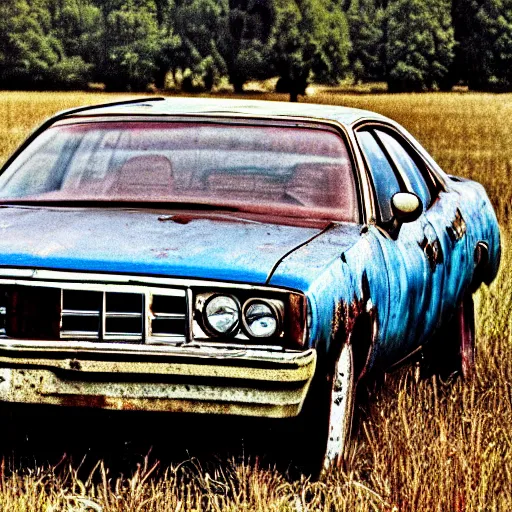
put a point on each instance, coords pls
(77, 25)
(198, 24)
(26, 51)
(483, 30)
(169, 41)
(130, 44)
(74, 27)
(245, 40)
(310, 40)
(366, 24)
(332, 33)
(420, 44)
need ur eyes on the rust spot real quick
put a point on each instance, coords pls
(178, 219)
(297, 318)
(75, 365)
(83, 401)
(344, 319)
(458, 228)
(433, 252)
(182, 219)
(355, 323)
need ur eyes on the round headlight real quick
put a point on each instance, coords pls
(261, 320)
(222, 314)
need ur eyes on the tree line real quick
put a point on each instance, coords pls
(130, 45)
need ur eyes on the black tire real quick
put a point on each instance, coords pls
(453, 348)
(322, 432)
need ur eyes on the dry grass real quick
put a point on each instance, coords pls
(424, 445)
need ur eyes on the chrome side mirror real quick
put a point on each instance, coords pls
(406, 207)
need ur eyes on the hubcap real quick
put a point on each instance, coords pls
(340, 414)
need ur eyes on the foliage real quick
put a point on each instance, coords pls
(413, 45)
(77, 25)
(26, 51)
(69, 73)
(197, 23)
(419, 45)
(484, 29)
(367, 57)
(310, 40)
(130, 43)
(245, 40)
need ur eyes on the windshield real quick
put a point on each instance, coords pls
(301, 171)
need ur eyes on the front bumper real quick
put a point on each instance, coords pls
(192, 379)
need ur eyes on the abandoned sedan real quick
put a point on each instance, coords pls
(232, 257)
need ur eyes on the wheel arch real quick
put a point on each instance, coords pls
(355, 323)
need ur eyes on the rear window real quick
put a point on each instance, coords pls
(302, 170)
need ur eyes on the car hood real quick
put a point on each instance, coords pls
(217, 247)
(301, 269)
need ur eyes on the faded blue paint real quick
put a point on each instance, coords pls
(344, 271)
(410, 299)
(135, 241)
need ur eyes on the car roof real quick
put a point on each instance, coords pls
(251, 108)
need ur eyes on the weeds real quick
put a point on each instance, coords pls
(421, 445)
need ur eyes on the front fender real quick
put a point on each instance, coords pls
(335, 300)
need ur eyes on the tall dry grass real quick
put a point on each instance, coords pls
(420, 445)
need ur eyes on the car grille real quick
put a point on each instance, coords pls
(104, 313)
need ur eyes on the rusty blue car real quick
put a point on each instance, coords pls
(233, 257)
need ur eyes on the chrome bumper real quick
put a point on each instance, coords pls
(192, 379)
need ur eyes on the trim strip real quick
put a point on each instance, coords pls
(36, 276)
(35, 352)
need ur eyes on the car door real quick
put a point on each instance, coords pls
(446, 213)
(411, 253)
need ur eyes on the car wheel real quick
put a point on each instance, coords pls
(453, 348)
(466, 328)
(325, 423)
(340, 410)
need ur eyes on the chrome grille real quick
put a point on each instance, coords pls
(168, 317)
(102, 315)
(3, 311)
(94, 312)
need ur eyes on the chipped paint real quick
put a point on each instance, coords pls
(114, 240)
(237, 388)
(408, 280)
(44, 387)
(284, 367)
(458, 227)
(413, 291)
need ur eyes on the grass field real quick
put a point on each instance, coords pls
(420, 445)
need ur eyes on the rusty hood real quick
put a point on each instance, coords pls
(219, 247)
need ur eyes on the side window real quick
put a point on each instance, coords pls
(384, 177)
(407, 166)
